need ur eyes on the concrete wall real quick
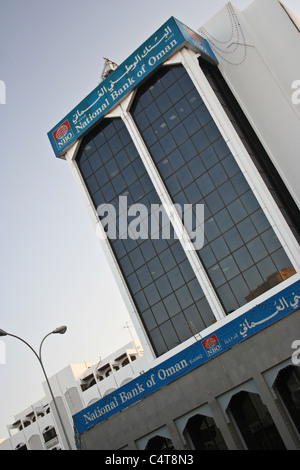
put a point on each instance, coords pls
(251, 366)
(258, 59)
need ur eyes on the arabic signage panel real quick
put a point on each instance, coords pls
(172, 36)
(201, 351)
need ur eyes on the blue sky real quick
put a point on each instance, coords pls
(53, 270)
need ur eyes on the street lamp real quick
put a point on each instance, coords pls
(60, 330)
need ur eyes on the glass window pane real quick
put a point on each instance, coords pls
(180, 134)
(224, 221)
(176, 160)
(168, 143)
(184, 176)
(243, 258)
(267, 268)
(211, 229)
(194, 99)
(133, 282)
(149, 320)
(191, 124)
(159, 345)
(219, 248)
(227, 192)
(165, 168)
(207, 256)
(163, 103)
(216, 275)
(270, 240)
(253, 278)
(92, 184)
(229, 267)
(149, 136)
(205, 184)
(231, 166)
(260, 221)
(105, 153)
(218, 174)
(126, 266)
(257, 249)
(172, 305)
(247, 230)
(250, 202)
(214, 202)
(237, 211)
(155, 268)
(184, 297)
(201, 142)
(175, 93)
(169, 335)
(194, 318)
(203, 114)
(152, 294)
(180, 324)
(195, 290)
(282, 261)
(240, 289)
(163, 286)
(175, 278)
(160, 313)
(136, 258)
(144, 276)
(141, 301)
(196, 166)
(142, 121)
(86, 169)
(212, 131)
(160, 127)
(239, 181)
(227, 298)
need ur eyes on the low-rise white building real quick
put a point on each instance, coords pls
(75, 387)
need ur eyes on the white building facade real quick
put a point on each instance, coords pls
(75, 387)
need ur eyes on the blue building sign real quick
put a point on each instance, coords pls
(201, 351)
(172, 36)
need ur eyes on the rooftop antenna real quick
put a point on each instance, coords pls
(109, 67)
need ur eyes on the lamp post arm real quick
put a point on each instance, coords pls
(27, 344)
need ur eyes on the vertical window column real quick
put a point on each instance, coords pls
(156, 270)
(175, 218)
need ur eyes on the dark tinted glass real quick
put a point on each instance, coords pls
(157, 272)
(242, 254)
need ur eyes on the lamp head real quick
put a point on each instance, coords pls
(61, 330)
(3, 333)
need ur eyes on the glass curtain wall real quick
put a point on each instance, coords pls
(167, 295)
(242, 254)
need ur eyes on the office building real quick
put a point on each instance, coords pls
(187, 156)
